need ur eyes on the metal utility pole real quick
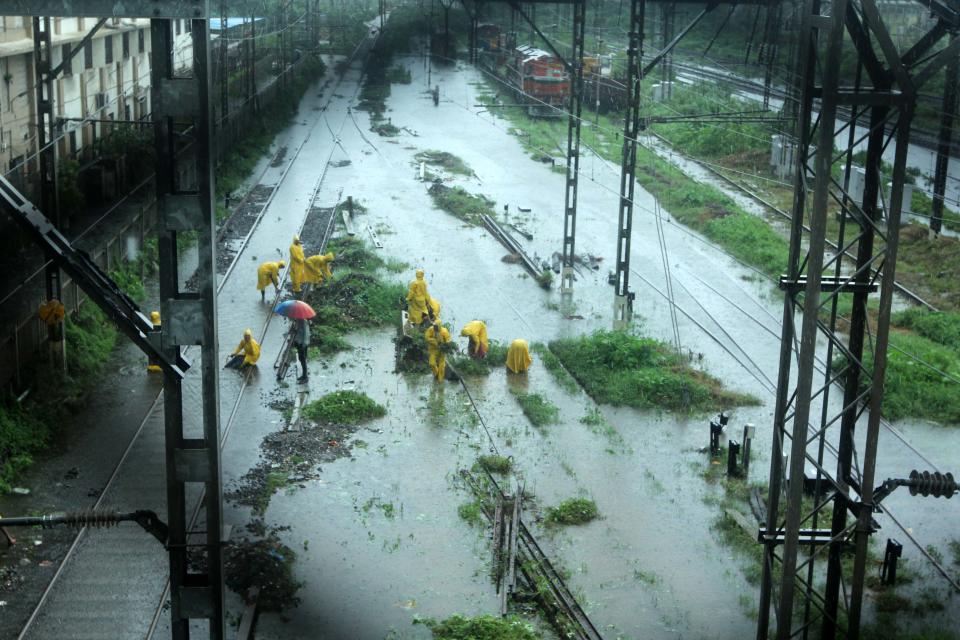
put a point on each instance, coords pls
(575, 70)
(189, 319)
(892, 93)
(623, 298)
(47, 161)
(252, 65)
(667, 15)
(224, 67)
(944, 142)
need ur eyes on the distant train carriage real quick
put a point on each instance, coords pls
(488, 37)
(542, 78)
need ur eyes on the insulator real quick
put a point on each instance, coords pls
(932, 484)
(92, 519)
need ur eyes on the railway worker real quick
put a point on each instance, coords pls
(518, 356)
(301, 340)
(297, 264)
(267, 273)
(433, 309)
(317, 268)
(476, 330)
(246, 354)
(437, 336)
(417, 297)
(152, 365)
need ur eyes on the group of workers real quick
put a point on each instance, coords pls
(303, 270)
(421, 308)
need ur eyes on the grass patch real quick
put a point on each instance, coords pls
(444, 160)
(572, 511)
(458, 627)
(545, 279)
(624, 370)
(398, 74)
(552, 364)
(461, 204)
(539, 410)
(495, 359)
(27, 429)
(343, 407)
(471, 513)
(940, 327)
(495, 463)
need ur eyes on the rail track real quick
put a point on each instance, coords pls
(116, 472)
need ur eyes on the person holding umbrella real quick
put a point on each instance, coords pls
(299, 312)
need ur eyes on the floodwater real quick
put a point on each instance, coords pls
(651, 567)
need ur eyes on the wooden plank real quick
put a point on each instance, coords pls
(249, 618)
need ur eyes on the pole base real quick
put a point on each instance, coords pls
(622, 313)
(566, 280)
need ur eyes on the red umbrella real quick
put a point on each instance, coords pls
(295, 310)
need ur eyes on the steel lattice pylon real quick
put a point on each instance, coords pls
(889, 96)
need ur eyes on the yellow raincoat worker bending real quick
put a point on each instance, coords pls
(247, 352)
(297, 263)
(476, 330)
(433, 306)
(518, 356)
(436, 336)
(417, 297)
(268, 273)
(152, 365)
(317, 268)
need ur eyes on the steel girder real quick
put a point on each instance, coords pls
(892, 94)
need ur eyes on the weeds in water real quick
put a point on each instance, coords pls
(545, 279)
(471, 513)
(266, 565)
(496, 358)
(538, 409)
(444, 160)
(552, 364)
(495, 463)
(398, 74)
(343, 407)
(620, 369)
(572, 511)
(647, 577)
(461, 204)
(458, 627)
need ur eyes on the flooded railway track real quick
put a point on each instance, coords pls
(362, 49)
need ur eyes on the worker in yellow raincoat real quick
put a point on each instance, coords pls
(518, 356)
(317, 268)
(417, 297)
(152, 365)
(297, 264)
(268, 273)
(436, 336)
(433, 309)
(476, 330)
(246, 354)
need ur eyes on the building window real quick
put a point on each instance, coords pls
(108, 49)
(125, 39)
(188, 25)
(177, 25)
(140, 40)
(68, 62)
(88, 55)
(72, 137)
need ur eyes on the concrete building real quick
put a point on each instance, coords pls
(107, 81)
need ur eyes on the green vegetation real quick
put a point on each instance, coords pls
(461, 204)
(545, 279)
(26, 429)
(624, 370)
(572, 511)
(495, 359)
(129, 274)
(398, 74)
(552, 364)
(343, 407)
(495, 463)
(355, 298)
(538, 409)
(471, 513)
(458, 627)
(940, 327)
(444, 160)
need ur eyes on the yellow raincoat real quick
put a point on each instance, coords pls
(518, 356)
(297, 264)
(434, 307)
(435, 336)
(250, 349)
(417, 297)
(476, 330)
(269, 273)
(317, 268)
(155, 321)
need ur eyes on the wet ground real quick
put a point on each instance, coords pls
(375, 527)
(651, 566)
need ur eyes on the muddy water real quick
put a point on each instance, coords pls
(650, 567)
